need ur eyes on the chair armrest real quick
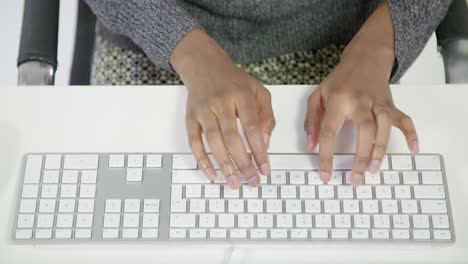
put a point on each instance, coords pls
(38, 43)
(452, 37)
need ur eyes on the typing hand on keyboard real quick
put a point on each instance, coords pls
(362, 96)
(218, 93)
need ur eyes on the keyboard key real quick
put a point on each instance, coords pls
(363, 192)
(49, 190)
(391, 177)
(50, 176)
(360, 233)
(345, 192)
(45, 220)
(23, 234)
(81, 162)
(279, 233)
(278, 177)
(299, 233)
(249, 192)
(284, 220)
(131, 220)
(230, 193)
(193, 191)
(254, 206)
(427, 162)
(433, 206)
(68, 191)
(383, 192)
(111, 220)
(429, 192)
(402, 192)
(226, 220)
(306, 192)
(197, 233)
(351, 206)
(151, 205)
(235, 206)
(63, 233)
(421, 234)
(409, 206)
(182, 220)
(183, 162)
(326, 192)
(361, 220)
(218, 233)
(176, 191)
(342, 220)
(198, 205)
(88, 176)
(265, 220)
(319, 233)
(66, 205)
(212, 191)
(402, 162)
(177, 233)
(410, 177)
(288, 192)
(339, 233)
(64, 220)
(206, 220)
(110, 233)
(32, 172)
(43, 234)
(70, 176)
(258, 233)
(400, 234)
(154, 161)
(188, 176)
(269, 191)
(238, 233)
(116, 161)
(30, 191)
(303, 220)
(149, 233)
(323, 221)
(87, 190)
(296, 177)
(53, 161)
(84, 220)
(85, 205)
(312, 206)
(134, 174)
(83, 233)
(274, 206)
(442, 235)
(331, 206)
(389, 206)
(293, 206)
(47, 206)
(370, 206)
(336, 178)
(401, 221)
(372, 178)
(216, 205)
(380, 234)
(432, 177)
(27, 206)
(135, 161)
(313, 178)
(420, 221)
(132, 205)
(440, 221)
(381, 221)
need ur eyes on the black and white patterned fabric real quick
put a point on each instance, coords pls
(113, 65)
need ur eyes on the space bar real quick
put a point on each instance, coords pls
(308, 162)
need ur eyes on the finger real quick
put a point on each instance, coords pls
(313, 119)
(213, 136)
(365, 141)
(406, 125)
(198, 149)
(332, 122)
(384, 125)
(235, 145)
(265, 115)
(248, 116)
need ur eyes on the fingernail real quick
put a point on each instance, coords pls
(210, 173)
(414, 146)
(375, 165)
(324, 176)
(265, 168)
(266, 138)
(253, 181)
(356, 179)
(233, 181)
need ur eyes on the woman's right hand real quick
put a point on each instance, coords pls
(219, 92)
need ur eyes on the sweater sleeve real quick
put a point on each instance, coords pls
(413, 23)
(156, 26)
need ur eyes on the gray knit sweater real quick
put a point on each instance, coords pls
(252, 30)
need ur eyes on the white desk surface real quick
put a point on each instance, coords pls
(151, 119)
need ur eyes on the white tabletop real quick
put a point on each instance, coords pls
(151, 119)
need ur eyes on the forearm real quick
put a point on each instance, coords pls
(375, 40)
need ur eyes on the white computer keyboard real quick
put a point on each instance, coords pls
(163, 197)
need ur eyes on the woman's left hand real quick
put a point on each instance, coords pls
(358, 90)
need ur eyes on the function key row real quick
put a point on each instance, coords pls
(310, 162)
(135, 161)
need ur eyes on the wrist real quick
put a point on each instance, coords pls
(196, 51)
